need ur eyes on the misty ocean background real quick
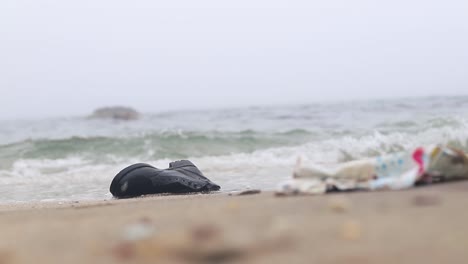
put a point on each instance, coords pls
(76, 158)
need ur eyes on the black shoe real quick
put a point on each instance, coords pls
(140, 179)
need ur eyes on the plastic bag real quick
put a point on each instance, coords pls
(396, 171)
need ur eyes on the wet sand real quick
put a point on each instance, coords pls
(422, 225)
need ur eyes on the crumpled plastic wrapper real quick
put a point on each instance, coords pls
(424, 165)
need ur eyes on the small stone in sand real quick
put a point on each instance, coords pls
(205, 233)
(124, 251)
(426, 200)
(339, 204)
(5, 257)
(351, 230)
(138, 231)
(234, 206)
(249, 192)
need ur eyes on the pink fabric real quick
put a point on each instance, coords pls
(418, 155)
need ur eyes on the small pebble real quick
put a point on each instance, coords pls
(339, 204)
(205, 233)
(5, 257)
(249, 192)
(124, 251)
(426, 200)
(233, 206)
(138, 231)
(351, 230)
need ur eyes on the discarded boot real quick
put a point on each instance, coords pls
(141, 178)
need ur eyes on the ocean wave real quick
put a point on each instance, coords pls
(81, 177)
(165, 144)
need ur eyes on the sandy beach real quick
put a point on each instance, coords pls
(226, 102)
(422, 225)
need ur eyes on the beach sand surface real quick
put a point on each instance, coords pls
(421, 225)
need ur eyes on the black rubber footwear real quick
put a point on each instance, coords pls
(141, 178)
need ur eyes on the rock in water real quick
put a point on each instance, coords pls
(117, 113)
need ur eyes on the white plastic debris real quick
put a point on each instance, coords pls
(394, 172)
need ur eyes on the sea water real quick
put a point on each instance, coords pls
(76, 158)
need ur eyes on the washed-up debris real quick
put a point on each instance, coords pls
(424, 165)
(181, 177)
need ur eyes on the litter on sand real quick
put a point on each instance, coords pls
(140, 179)
(424, 165)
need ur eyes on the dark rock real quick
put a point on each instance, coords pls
(117, 113)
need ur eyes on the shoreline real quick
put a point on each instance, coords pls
(422, 225)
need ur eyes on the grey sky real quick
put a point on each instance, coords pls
(67, 57)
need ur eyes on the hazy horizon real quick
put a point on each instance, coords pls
(66, 59)
(88, 112)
